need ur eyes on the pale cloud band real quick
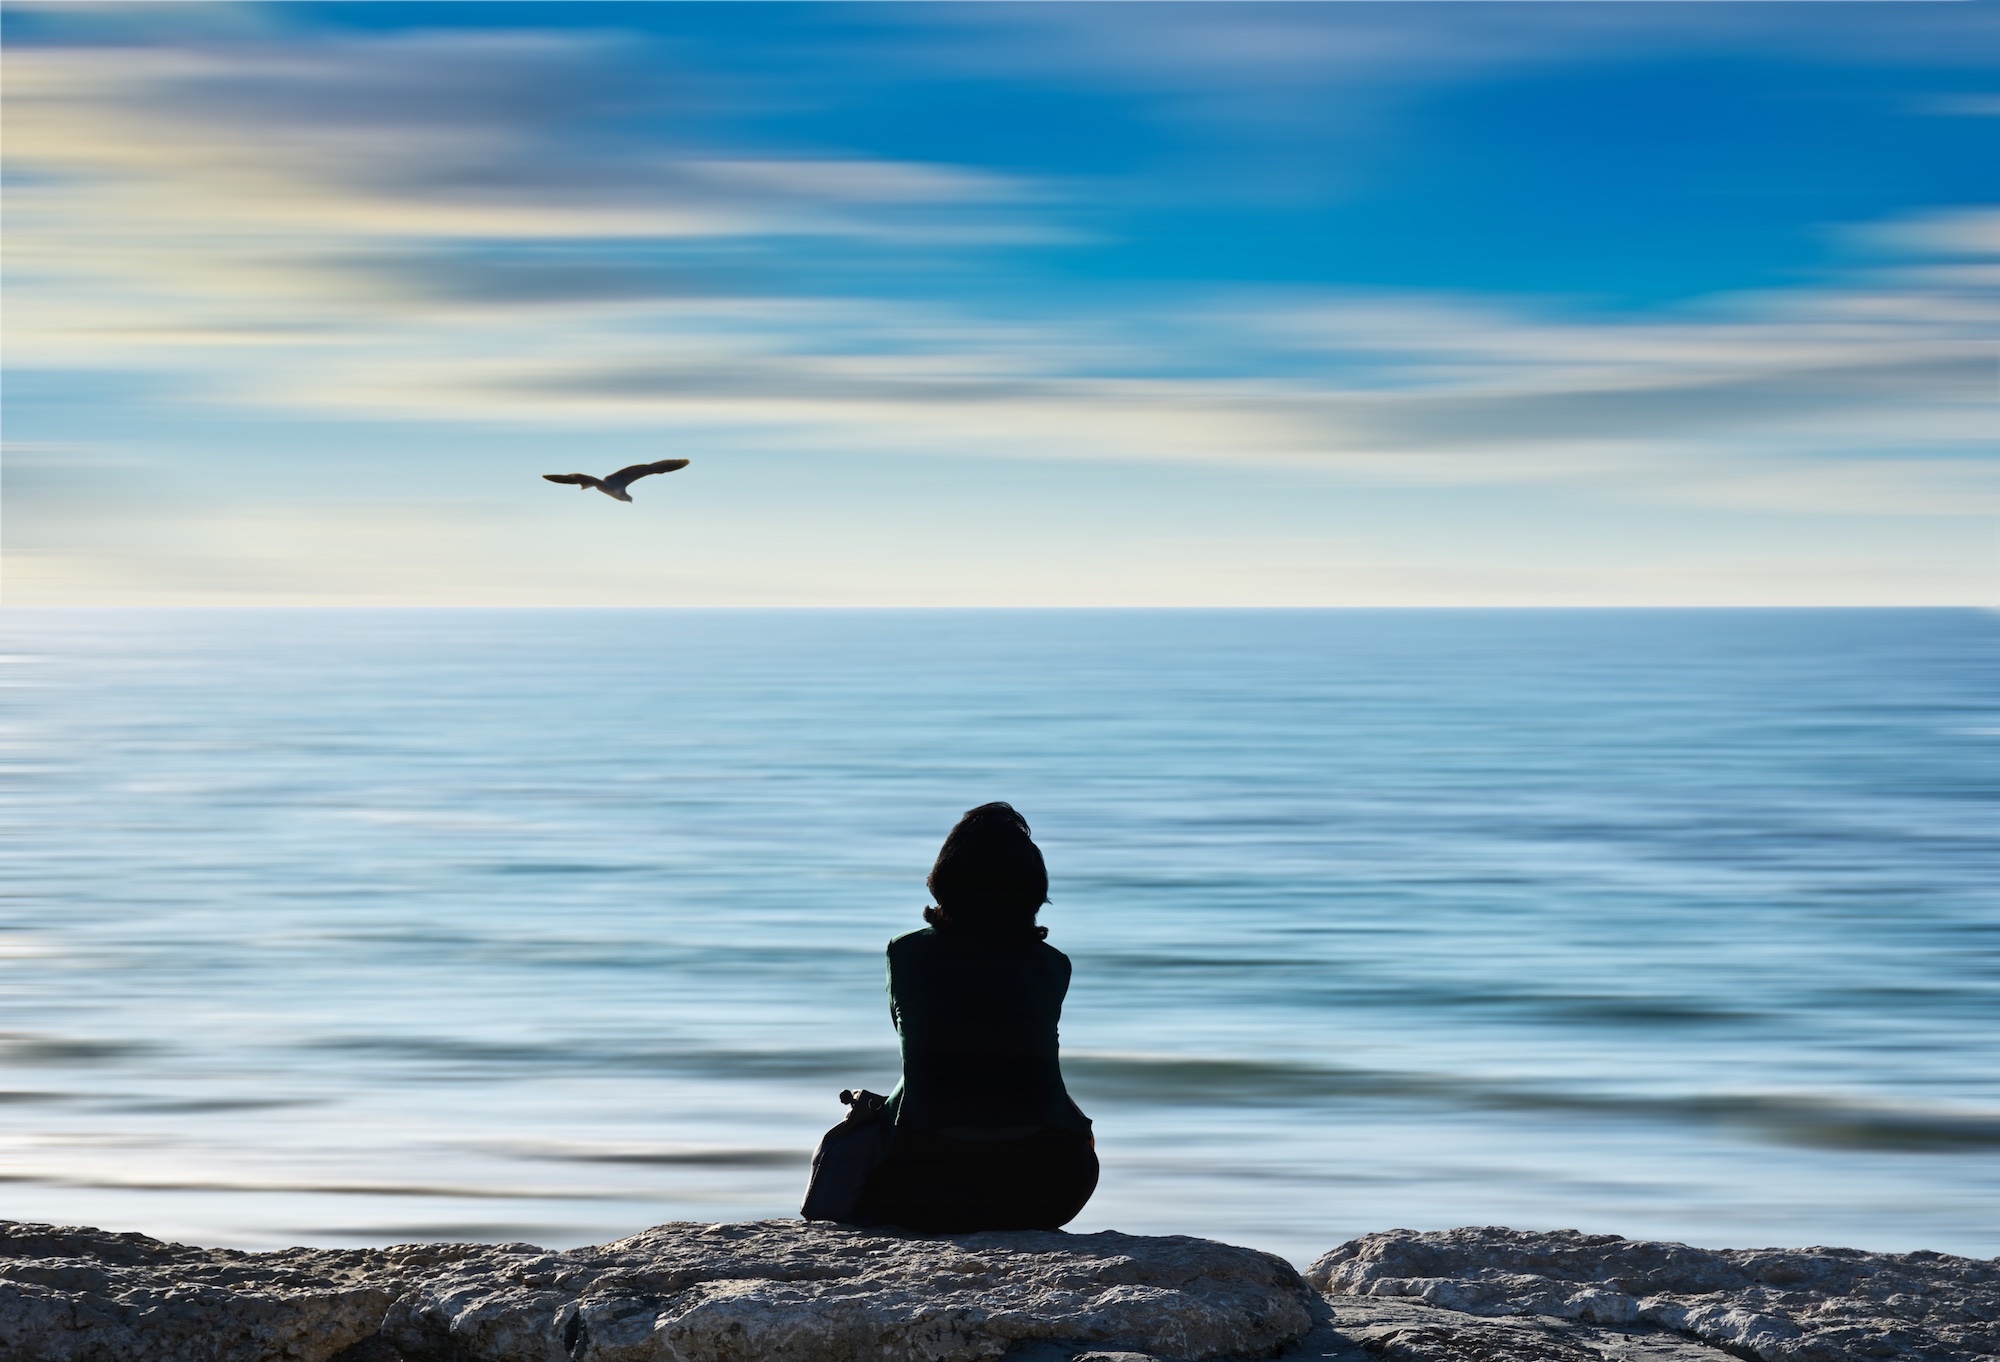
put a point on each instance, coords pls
(427, 228)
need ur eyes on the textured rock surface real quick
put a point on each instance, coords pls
(827, 1293)
(78, 1295)
(1776, 1305)
(1375, 1328)
(685, 1293)
(815, 1293)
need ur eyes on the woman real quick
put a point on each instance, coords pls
(986, 1137)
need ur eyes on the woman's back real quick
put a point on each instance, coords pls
(978, 1020)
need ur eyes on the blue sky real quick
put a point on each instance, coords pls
(963, 304)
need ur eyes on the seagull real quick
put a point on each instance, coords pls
(615, 485)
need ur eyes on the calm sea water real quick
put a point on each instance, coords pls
(361, 926)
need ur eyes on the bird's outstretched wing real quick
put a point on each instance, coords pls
(580, 479)
(625, 477)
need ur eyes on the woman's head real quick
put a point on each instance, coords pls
(989, 876)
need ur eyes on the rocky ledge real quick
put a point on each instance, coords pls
(1773, 1305)
(825, 1293)
(718, 1293)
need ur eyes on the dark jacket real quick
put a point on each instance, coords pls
(978, 1020)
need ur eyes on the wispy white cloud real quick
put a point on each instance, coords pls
(488, 136)
(1257, 62)
(1334, 44)
(1964, 106)
(468, 229)
(1966, 235)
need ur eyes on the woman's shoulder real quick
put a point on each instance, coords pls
(929, 941)
(918, 940)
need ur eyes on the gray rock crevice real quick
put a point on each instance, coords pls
(1391, 1329)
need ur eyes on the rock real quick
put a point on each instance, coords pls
(786, 1289)
(678, 1293)
(1774, 1305)
(82, 1295)
(1411, 1332)
(812, 1292)
(374, 1349)
(1398, 1329)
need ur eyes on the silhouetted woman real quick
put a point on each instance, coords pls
(986, 1136)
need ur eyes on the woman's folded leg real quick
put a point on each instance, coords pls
(937, 1184)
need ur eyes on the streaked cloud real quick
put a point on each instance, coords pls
(521, 229)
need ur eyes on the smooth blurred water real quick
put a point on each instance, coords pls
(364, 926)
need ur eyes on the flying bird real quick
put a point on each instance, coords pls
(615, 485)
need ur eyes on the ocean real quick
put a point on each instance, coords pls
(362, 926)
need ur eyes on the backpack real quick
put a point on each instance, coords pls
(847, 1154)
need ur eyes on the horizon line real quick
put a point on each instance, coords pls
(1655, 607)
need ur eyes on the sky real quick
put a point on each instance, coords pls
(1587, 304)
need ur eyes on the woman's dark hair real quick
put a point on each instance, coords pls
(989, 877)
